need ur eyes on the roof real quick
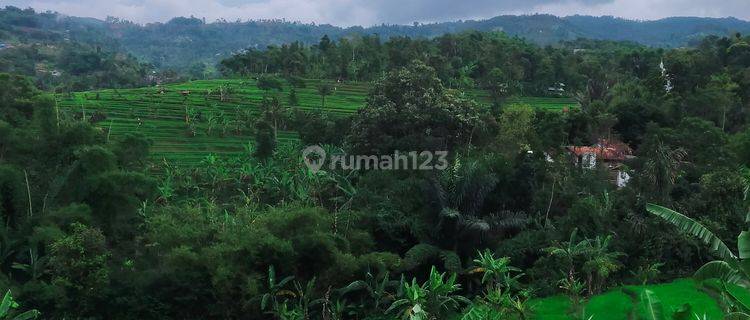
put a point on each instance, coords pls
(612, 150)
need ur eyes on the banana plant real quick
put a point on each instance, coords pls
(729, 269)
(6, 309)
(431, 300)
(411, 306)
(496, 272)
(377, 290)
(503, 295)
(270, 300)
(36, 266)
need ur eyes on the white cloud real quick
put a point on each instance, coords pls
(369, 12)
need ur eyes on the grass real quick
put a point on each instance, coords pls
(159, 113)
(615, 305)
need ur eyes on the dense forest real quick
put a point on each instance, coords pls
(94, 228)
(64, 54)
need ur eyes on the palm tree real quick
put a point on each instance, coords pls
(663, 167)
(456, 222)
(457, 198)
(729, 269)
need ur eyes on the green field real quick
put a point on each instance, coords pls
(547, 103)
(616, 305)
(159, 112)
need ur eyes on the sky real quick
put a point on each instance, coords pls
(373, 12)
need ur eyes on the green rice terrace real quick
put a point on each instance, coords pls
(188, 121)
(671, 299)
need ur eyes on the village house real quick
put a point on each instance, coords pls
(611, 154)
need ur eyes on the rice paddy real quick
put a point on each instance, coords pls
(188, 121)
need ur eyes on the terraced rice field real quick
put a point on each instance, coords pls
(160, 113)
(547, 103)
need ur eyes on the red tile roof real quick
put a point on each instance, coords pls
(605, 150)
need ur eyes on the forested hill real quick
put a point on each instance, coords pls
(181, 42)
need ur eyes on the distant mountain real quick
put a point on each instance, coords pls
(181, 42)
(185, 40)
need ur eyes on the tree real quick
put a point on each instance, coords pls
(265, 140)
(662, 167)
(79, 264)
(324, 90)
(516, 130)
(132, 150)
(267, 83)
(501, 85)
(293, 100)
(197, 70)
(455, 222)
(410, 109)
(720, 95)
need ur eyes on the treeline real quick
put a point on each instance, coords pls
(493, 61)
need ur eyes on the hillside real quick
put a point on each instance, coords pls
(191, 39)
(219, 124)
(185, 42)
(65, 53)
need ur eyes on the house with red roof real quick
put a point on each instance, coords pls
(610, 154)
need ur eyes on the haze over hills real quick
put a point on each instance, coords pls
(159, 42)
(181, 41)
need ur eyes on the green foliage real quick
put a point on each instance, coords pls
(12, 195)
(267, 83)
(495, 271)
(731, 269)
(434, 299)
(411, 110)
(132, 150)
(265, 140)
(516, 133)
(691, 227)
(79, 264)
(6, 310)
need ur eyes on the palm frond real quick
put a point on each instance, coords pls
(508, 220)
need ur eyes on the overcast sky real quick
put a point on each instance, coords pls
(370, 12)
